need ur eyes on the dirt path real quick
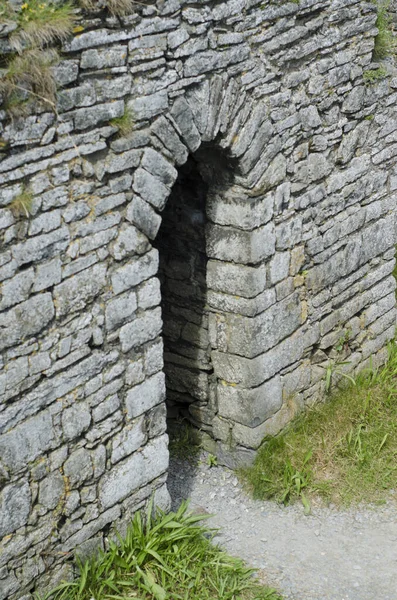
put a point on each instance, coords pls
(330, 555)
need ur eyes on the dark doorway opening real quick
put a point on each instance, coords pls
(187, 353)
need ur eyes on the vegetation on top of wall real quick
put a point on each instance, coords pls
(166, 556)
(385, 43)
(28, 77)
(342, 451)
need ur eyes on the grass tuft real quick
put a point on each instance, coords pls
(124, 124)
(118, 8)
(29, 76)
(385, 44)
(342, 451)
(21, 205)
(374, 75)
(41, 23)
(165, 556)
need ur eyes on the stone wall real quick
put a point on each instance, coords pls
(291, 253)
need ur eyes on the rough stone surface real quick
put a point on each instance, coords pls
(214, 254)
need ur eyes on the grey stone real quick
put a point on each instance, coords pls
(142, 329)
(51, 490)
(75, 420)
(141, 214)
(236, 279)
(166, 133)
(26, 319)
(78, 467)
(144, 396)
(120, 309)
(231, 244)
(73, 294)
(134, 472)
(15, 503)
(115, 56)
(27, 441)
(150, 188)
(158, 166)
(250, 407)
(86, 117)
(132, 437)
(129, 241)
(134, 272)
(149, 106)
(183, 117)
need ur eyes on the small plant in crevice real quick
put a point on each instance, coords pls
(332, 369)
(212, 461)
(385, 44)
(125, 124)
(374, 75)
(343, 342)
(22, 204)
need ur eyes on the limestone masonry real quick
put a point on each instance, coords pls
(265, 141)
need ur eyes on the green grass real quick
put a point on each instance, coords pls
(374, 75)
(342, 451)
(164, 557)
(125, 123)
(41, 23)
(384, 42)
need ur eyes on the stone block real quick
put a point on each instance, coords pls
(28, 440)
(120, 309)
(142, 329)
(73, 294)
(78, 467)
(149, 106)
(236, 279)
(157, 165)
(254, 371)
(75, 420)
(134, 472)
(250, 407)
(236, 245)
(250, 336)
(168, 136)
(236, 209)
(131, 437)
(51, 490)
(135, 271)
(15, 504)
(150, 188)
(144, 396)
(129, 241)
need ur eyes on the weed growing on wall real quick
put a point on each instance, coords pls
(167, 556)
(124, 124)
(385, 44)
(22, 204)
(29, 76)
(344, 450)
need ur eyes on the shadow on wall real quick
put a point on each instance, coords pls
(190, 379)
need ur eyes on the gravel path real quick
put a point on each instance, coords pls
(329, 555)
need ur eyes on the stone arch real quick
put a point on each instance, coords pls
(212, 126)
